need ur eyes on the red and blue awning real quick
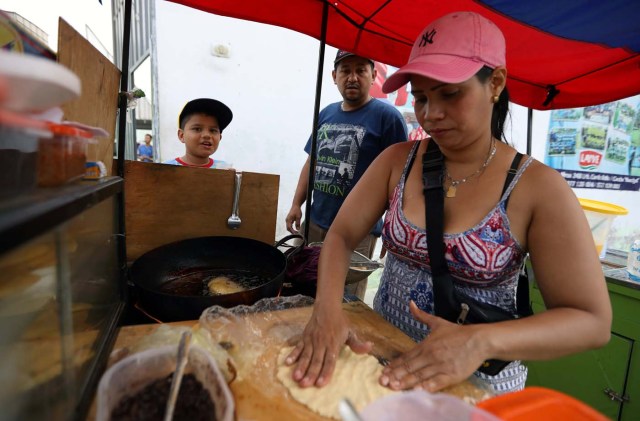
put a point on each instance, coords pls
(560, 54)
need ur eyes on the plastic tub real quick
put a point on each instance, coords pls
(62, 157)
(539, 403)
(600, 216)
(133, 373)
(19, 153)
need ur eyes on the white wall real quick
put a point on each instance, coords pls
(269, 83)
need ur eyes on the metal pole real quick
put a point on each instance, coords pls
(122, 134)
(314, 132)
(124, 87)
(529, 130)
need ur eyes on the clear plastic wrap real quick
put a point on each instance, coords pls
(418, 404)
(254, 334)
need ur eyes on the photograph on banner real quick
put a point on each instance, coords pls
(597, 147)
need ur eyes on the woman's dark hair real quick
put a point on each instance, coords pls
(500, 109)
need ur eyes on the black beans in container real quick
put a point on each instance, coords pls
(193, 404)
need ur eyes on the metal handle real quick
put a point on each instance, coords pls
(614, 396)
(236, 194)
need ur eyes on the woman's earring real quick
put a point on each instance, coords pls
(495, 99)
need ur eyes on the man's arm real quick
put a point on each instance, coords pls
(295, 213)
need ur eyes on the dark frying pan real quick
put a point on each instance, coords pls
(155, 268)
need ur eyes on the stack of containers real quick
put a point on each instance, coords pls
(34, 152)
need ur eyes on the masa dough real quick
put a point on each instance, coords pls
(221, 285)
(355, 377)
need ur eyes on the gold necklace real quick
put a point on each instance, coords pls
(451, 190)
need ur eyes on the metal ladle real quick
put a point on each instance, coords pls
(234, 220)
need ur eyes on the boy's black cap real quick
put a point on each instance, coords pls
(207, 106)
(342, 54)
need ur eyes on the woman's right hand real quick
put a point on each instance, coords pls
(317, 351)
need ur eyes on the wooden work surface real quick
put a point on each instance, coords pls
(258, 394)
(98, 101)
(167, 203)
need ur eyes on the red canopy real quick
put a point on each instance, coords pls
(582, 52)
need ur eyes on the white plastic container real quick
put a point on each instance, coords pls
(133, 373)
(633, 261)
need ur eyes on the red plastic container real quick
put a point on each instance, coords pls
(540, 403)
(62, 157)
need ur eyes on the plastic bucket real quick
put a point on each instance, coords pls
(600, 216)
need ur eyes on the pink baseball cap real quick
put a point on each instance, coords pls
(451, 49)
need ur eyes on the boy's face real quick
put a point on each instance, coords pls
(147, 139)
(201, 135)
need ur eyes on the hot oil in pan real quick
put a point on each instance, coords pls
(208, 282)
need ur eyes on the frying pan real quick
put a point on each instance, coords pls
(153, 269)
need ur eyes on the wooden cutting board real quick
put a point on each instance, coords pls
(258, 394)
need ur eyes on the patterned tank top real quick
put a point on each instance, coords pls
(484, 262)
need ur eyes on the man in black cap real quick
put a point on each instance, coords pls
(351, 134)
(201, 123)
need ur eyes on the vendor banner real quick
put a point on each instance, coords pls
(597, 147)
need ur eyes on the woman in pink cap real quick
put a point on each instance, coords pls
(498, 206)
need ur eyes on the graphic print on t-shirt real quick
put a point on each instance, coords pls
(338, 148)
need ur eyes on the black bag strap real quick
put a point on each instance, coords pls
(523, 305)
(432, 178)
(513, 170)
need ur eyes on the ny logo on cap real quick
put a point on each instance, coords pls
(427, 38)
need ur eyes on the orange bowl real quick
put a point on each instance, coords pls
(539, 403)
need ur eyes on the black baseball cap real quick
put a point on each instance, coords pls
(342, 54)
(206, 106)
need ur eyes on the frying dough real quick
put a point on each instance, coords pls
(221, 285)
(355, 377)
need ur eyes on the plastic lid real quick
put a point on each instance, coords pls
(35, 83)
(64, 130)
(602, 207)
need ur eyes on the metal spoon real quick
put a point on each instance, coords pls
(181, 362)
(234, 220)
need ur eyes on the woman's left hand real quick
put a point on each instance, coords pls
(446, 357)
